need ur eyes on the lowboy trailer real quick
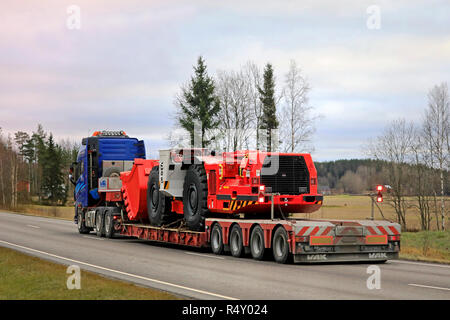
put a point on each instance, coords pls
(239, 202)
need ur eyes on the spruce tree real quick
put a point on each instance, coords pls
(52, 178)
(199, 103)
(267, 96)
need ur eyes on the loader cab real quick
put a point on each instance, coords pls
(105, 152)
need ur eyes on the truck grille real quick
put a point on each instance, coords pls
(292, 176)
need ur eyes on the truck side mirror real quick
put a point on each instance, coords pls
(71, 171)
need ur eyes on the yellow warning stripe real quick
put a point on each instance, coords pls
(238, 204)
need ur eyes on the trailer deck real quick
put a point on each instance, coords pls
(310, 241)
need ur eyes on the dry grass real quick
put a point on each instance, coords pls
(66, 213)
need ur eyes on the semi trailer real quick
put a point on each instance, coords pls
(242, 202)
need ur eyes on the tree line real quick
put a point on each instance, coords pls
(243, 109)
(417, 158)
(33, 168)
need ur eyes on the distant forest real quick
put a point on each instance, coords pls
(360, 176)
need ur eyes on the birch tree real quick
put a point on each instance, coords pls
(395, 147)
(233, 91)
(297, 122)
(436, 129)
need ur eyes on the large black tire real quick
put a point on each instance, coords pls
(280, 245)
(99, 224)
(81, 223)
(257, 247)
(109, 225)
(112, 172)
(158, 205)
(217, 239)
(235, 241)
(195, 197)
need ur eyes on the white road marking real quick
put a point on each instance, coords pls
(95, 238)
(31, 226)
(424, 286)
(123, 273)
(421, 264)
(204, 255)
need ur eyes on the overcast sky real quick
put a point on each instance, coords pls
(123, 67)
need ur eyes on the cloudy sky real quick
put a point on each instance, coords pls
(123, 67)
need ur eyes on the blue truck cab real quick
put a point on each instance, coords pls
(102, 154)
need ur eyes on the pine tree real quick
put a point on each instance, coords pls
(52, 186)
(198, 102)
(267, 95)
(38, 144)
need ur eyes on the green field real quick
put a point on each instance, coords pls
(23, 277)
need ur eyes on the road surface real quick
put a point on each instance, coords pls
(200, 275)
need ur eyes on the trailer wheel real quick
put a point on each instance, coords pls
(217, 239)
(195, 196)
(257, 247)
(280, 245)
(99, 224)
(109, 225)
(236, 245)
(158, 205)
(81, 224)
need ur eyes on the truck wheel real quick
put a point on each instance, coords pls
(112, 172)
(257, 247)
(217, 239)
(158, 205)
(81, 224)
(236, 245)
(109, 225)
(99, 225)
(280, 245)
(195, 196)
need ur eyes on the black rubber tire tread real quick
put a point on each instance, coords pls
(99, 219)
(81, 224)
(162, 214)
(237, 251)
(109, 227)
(257, 232)
(196, 175)
(219, 248)
(109, 171)
(280, 255)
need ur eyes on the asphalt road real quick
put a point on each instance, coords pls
(198, 274)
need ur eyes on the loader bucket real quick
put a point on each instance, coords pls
(134, 188)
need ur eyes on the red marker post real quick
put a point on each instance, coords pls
(380, 195)
(379, 190)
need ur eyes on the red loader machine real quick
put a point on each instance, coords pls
(241, 202)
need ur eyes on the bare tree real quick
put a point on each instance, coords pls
(422, 179)
(436, 133)
(297, 123)
(395, 147)
(253, 75)
(234, 92)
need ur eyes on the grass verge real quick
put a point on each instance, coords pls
(23, 277)
(431, 246)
